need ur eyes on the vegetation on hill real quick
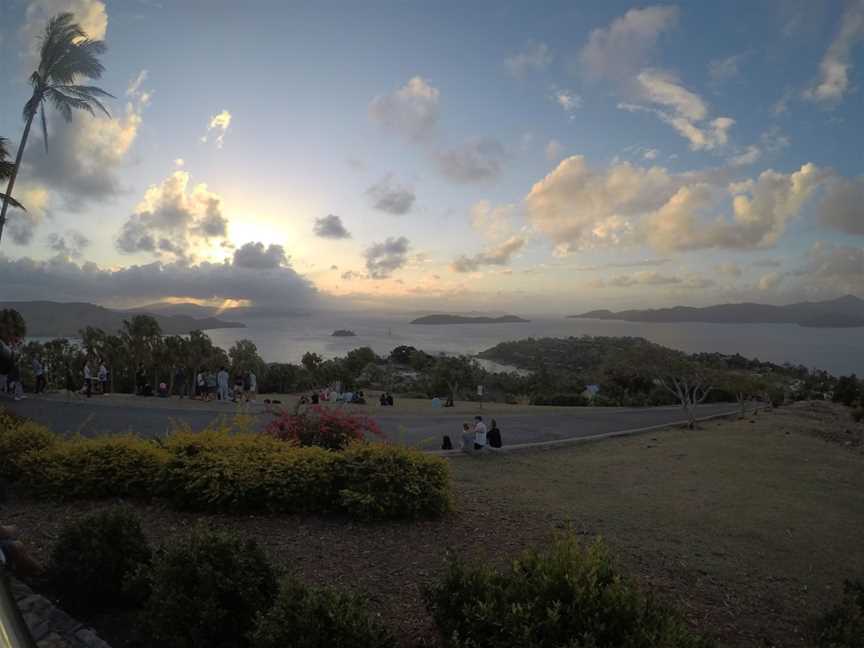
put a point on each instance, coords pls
(460, 319)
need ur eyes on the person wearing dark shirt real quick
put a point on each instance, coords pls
(494, 435)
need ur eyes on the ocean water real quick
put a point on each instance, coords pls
(840, 351)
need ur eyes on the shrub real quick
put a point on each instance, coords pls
(564, 597)
(377, 481)
(17, 438)
(566, 400)
(205, 591)
(110, 466)
(322, 427)
(843, 626)
(213, 470)
(309, 617)
(94, 557)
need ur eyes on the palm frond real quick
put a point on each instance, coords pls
(65, 104)
(77, 60)
(12, 201)
(86, 93)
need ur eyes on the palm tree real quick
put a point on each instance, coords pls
(66, 56)
(6, 170)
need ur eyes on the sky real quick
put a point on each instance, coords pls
(489, 156)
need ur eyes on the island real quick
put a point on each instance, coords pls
(460, 319)
(343, 333)
(844, 312)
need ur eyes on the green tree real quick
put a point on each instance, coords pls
(6, 170)
(141, 335)
(113, 353)
(311, 361)
(92, 341)
(66, 56)
(357, 359)
(454, 373)
(200, 352)
(244, 357)
(176, 355)
(12, 326)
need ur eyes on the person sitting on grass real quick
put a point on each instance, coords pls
(479, 433)
(14, 554)
(467, 438)
(494, 435)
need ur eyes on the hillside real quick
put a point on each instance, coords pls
(460, 319)
(56, 319)
(845, 311)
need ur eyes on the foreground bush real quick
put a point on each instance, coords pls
(843, 627)
(205, 591)
(214, 470)
(94, 558)
(110, 466)
(377, 481)
(312, 617)
(566, 597)
(17, 438)
(323, 427)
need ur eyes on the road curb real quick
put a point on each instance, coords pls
(540, 445)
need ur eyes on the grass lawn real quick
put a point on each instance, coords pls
(748, 526)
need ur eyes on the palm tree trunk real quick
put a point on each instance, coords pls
(11, 185)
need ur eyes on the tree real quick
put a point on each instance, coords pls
(141, 335)
(688, 382)
(847, 390)
(92, 341)
(66, 56)
(745, 387)
(402, 354)
(357, 359)
(12, 326)
(454, 373)
(200, 350)
(6, 170)
(311, 361)
(113, 353)
(244, 357)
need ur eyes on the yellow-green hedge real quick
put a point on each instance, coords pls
(217, 470)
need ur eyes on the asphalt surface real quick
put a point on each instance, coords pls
(89, 418)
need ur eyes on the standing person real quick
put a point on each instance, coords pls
(88, 379)
(252, 388)
(222, 384)
(180, 381)
(210, 380)
(102, 375)
(39, 372)
(141, 379)
(15, 387)
(201, 385)
(494, 435)
(479, 433)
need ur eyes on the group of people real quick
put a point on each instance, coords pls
(476, 437)
(220, 386)
(95, 377)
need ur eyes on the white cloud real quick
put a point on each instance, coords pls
(493, 223)
(651, 154)
(835, 268)
(172, 218)
(179, 163)
(389, 196)
(771, 281)
(382, 259)
(644, 278)
(534, 58)
(834, 69)
(553, 150)
(843, 205)
(477, 160)
(618, 51)
(726, 68)
(729, 269)
(70, 245)
(569, 101)
(217, 127)
(498, 255)
(749, 156)
(411, 111)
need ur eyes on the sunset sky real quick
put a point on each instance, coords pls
(510, 156)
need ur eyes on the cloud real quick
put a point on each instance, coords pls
(256, 257)
(834, 69)
(479, 159)
(729, 269)
(569, 101)
(382, 259)
(534, 58)
(330, 227)
(682, 109)
(766, 263)
(499, 255)
(62, 279)
(724, 69)
(644, 278)
(771, 281)
(493, 223)
(71, 245)
(618, 51)
(836, 268)
(411, 111)
(90, 14)
(20, 225)
(391, 197)
(172, 218)
(578, 207)
(217, 127)
(749, 156)
(651, 154)
(843, 205)
(553, 150)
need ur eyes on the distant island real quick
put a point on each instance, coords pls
(59, 319)
(844, 312)
(459, 319)
(343, 333)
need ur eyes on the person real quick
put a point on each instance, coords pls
(252, 386)
(446, 443)
(494, 435)
(467, 438)
(315, 398)
(15, 387)
(14, 553)
(102, 375)
(39, 372)
(201, 385)
(389, 399)
(237, 393)
(479, 433)
(222, 384)
(162, 390)
(4, 382)
(180, 381)
(383, 399)
(140, 379)
(212, 385)
(88, 379)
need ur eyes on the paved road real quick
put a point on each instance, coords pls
(89, 418)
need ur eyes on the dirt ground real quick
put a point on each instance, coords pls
(748, 526)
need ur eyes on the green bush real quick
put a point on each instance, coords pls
(93, 559)
(110, 466)
(386, 481)
(566, 597)
(214, 470)
(17, 439)
(310, 617)
(843, 626)
(205, 592)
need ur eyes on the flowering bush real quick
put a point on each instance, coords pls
(322, 427)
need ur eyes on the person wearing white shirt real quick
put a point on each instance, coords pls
(479, 433)
(88, 379)
(222, 384)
